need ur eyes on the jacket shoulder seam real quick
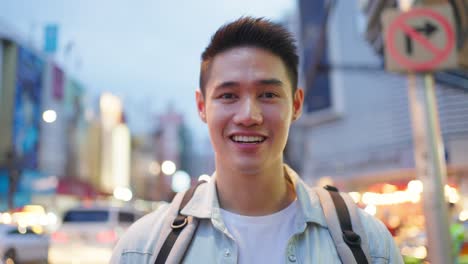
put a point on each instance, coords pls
(134, 251)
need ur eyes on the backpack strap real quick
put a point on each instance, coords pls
(344, 225)
(178, 224)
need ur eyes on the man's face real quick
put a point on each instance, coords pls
(248, 107)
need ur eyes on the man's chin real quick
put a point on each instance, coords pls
(248, 166)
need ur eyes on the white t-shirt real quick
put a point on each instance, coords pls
(262, 239)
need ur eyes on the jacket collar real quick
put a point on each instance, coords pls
(205, 204)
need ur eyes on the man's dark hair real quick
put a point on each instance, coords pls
(253, 32)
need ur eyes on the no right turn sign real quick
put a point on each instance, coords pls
(420, 40)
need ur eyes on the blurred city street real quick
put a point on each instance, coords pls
(98, 122)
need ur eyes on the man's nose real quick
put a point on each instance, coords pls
(249, 113)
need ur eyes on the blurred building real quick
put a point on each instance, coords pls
(145, 168)
(202, 159)
(7, 89)
(115, 145)
(356, 130)
(42, 121)
(356, 122)
(169, 144)
(53, 135)
(21, 106)
(172, 141)
(91, 155)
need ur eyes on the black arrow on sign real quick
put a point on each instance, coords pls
(427, 29)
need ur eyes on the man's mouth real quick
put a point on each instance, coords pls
(248, 139)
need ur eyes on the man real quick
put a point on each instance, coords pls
(13, 165)
(255, 209)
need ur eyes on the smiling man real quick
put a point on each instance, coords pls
(248, 104)
(255, 209)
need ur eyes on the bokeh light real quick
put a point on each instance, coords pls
(168, 167)
(154, 168)
(123, 193)
(180, 181)
(49, 116)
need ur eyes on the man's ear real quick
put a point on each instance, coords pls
(298, 102)
(200, 105)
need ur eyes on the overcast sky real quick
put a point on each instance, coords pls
(146, 51)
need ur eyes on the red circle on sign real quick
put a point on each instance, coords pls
(400, 22)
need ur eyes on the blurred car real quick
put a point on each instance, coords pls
(89, 234)
(22, 245)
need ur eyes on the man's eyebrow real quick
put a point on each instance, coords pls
(271, 81)
(226, 84)
(230, 84)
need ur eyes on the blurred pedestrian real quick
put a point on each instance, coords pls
(255, 209)
(13, 165)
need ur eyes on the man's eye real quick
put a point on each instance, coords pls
(268, 95)
(227, 96)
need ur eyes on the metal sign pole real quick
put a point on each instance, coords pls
(430, 166)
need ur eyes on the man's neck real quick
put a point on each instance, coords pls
(264, 192)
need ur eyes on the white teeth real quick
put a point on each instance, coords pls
(248, 139)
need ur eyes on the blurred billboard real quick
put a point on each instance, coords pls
(27, 109)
